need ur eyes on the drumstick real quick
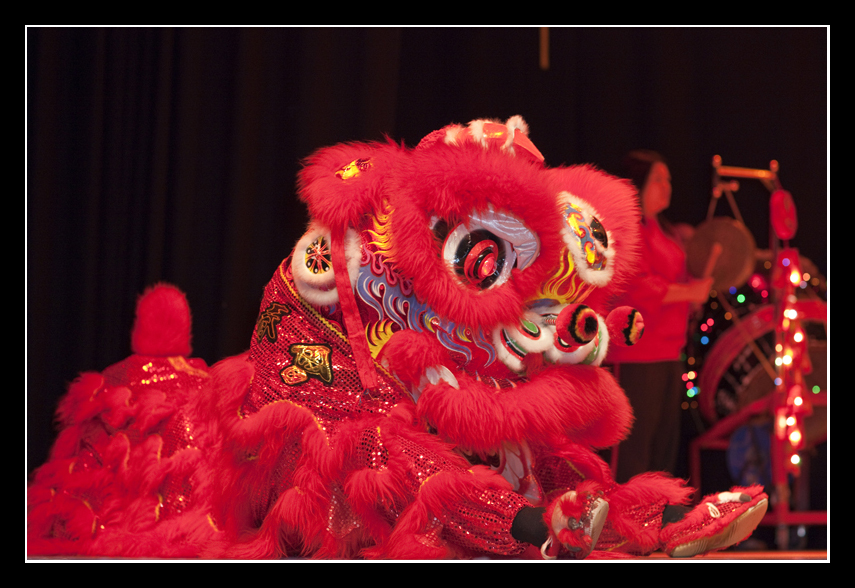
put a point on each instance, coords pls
(712, 259)
(715, 252)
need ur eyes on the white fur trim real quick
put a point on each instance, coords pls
(517, 122)
(597, 277)
(506, 357)
(476, 131)
(353, 255)
(531, 344)
(319, 289)
(476, 128)
(603, 347)
(452, 134)
(598, 347)
(592, 353)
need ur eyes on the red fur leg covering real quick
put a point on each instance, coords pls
(256, 502)
(456, 513)
(376, 488)
(635, 515)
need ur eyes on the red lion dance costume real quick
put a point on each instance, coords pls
(423, 382)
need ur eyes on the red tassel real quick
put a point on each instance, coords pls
(355, 328)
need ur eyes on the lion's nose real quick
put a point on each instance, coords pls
(576, 325)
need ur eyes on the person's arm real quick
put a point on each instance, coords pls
(693, 291)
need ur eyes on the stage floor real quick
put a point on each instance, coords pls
(659, 557)
(766, 555)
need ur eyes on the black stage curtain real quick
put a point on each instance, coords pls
(170, 154)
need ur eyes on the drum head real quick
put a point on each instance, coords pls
(736, 261)
(732, 377)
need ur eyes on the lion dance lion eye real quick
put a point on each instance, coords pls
(477, 256)
(598, 232)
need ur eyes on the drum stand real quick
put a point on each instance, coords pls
(790, 402)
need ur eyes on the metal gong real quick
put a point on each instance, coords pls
(735, 263)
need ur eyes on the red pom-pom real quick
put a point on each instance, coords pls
(162, 326)
(577, 324)
(625, 325)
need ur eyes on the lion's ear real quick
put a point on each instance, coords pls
(591, 194)
(343, 183)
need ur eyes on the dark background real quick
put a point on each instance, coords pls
(170, 154)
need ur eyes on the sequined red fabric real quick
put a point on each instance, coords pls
(302, 356)
(127, 472)
(387, 486)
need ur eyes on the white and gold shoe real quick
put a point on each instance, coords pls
(719, 521)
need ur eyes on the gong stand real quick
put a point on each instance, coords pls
(790, 402)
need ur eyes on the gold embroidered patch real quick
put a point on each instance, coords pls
(309, 361)
(268, 319)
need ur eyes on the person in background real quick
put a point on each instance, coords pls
(651, 371)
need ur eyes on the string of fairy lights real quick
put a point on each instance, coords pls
(780, 284)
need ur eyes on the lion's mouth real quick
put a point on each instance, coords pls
(434, 375)
(512, 461)
(494, 459)
(492, 412)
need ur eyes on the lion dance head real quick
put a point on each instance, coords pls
(481, 280)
